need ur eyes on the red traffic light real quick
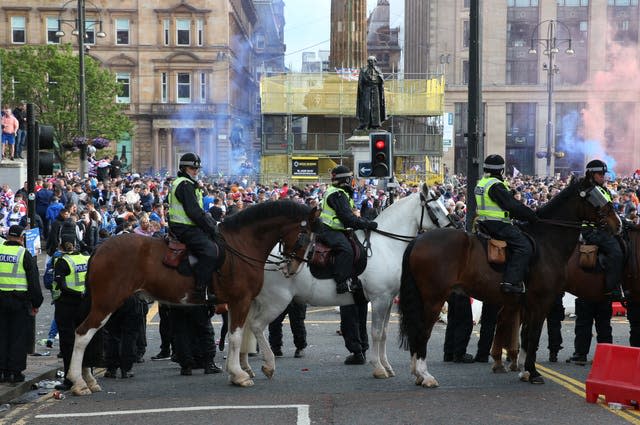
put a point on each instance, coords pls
(379, 144)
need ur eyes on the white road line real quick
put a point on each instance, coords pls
(303, 411)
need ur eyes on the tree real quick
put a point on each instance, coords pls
(47, 76)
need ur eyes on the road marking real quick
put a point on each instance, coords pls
(153, 310)
(578, 388)
(302, 409)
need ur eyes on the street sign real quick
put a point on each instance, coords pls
(364, 169)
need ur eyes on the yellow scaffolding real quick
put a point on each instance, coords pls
(335, 94)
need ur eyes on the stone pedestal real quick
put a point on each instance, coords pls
(13, 173)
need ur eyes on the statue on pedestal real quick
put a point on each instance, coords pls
(370, 108)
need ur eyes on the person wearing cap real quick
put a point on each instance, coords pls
(191, 225)
(497, 207)
(20, 297)
(607, 243)
(69, 270)
(337, 216)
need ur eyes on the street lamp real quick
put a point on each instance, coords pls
(551, 47)
(81, 24)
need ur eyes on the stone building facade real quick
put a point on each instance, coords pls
(188, 68)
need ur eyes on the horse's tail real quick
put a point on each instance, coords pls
(412, 323)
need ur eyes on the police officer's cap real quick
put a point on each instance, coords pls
(16, 231)
(190, 159)
(596, 166)
(493, 162)
(340, 172)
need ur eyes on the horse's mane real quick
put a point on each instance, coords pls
(559, 201)
(265, 211)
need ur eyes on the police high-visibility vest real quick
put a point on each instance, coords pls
(328, 214)
(487, 209)
(76, 279)
(607, 196)
(12, 274)
(177, 214)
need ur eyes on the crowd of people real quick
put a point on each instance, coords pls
(75, 215)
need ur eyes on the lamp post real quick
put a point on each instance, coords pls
(80, 31)
(550, 44)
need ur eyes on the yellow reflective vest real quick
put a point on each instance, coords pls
(75, 281)
(487, 208)
(328, 214)
(12, 274)
(177, 214)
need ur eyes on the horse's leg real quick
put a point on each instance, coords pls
(419, 351)
(512, 347)
(383, 341)
(499, 338)
(237, 314)
(257, 322)
(377, 323)
(248, 346)
(530, 373)
(91, 381)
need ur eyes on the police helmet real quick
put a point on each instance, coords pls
(596, 166)
(341, 174)
(493, 164)
(189, 159)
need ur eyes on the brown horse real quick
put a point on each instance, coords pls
(586, 284)
(444, 260)
(130, 263)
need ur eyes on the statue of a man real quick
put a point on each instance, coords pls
(370, 109)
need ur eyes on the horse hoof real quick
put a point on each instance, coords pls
(514, 368)
(250, 372)
(246, 383)
(95, 388)
(268, 372)
(524, 376)
(430, 383)
(538, 380)
(79, 391)
(419, 380)
(499, 369)
(390, 372)
(380, 374)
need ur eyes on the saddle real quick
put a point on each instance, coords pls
(177, 256)
(321, 258)
(496, 248)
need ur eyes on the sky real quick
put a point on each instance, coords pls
(307, 26)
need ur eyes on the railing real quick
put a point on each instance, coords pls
(190, 108)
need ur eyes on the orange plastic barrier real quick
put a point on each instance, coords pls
(615, 373)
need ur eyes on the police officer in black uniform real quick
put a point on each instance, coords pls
(496, 209)
(20, 297)
(193, 338)
(337, 216)
(607, 243)
(458, 331)
(190, 224)
(297, 313)
(120, 338)
(588, 313)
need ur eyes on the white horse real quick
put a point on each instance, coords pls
(381, 279)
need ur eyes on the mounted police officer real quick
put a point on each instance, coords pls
(70, 270)
(496, 209)
(337, 215)
(606, 242)
(190, 224)
(20, 297)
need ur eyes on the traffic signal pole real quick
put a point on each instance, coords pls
(32, 165)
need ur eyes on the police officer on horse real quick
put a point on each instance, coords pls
(337, 216)
(606, 242)
(496, 209)
(190, 224)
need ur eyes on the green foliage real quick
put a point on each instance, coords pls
(48, 77)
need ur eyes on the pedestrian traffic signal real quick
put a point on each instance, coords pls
(381, 154)
(45, 157)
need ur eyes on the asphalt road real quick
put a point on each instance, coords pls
(320, 389)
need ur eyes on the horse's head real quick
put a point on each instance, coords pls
(295, 244)
(433, 208)
(599, 209)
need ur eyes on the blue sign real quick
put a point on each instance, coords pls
(364, 169)
(32, 240)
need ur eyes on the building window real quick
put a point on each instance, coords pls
(184, 87)
(465, 34)
(122, 31)
(203, 87)
(569, 129)
(18, 30)
(573, 3)
(124, 80)
(183, 32)
(522, 3)
(164, 86)
(260, 41)
(200, 31)
(623, 2)
(165, 31)
(90, 32)
(467, 3)
(465, 72)
(520, 137)
(52, 28)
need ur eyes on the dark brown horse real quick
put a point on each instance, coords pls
(130, 263)
(586, 284)
(443, 260)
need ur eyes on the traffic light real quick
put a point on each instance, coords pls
(381, 154)
(45, 157)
